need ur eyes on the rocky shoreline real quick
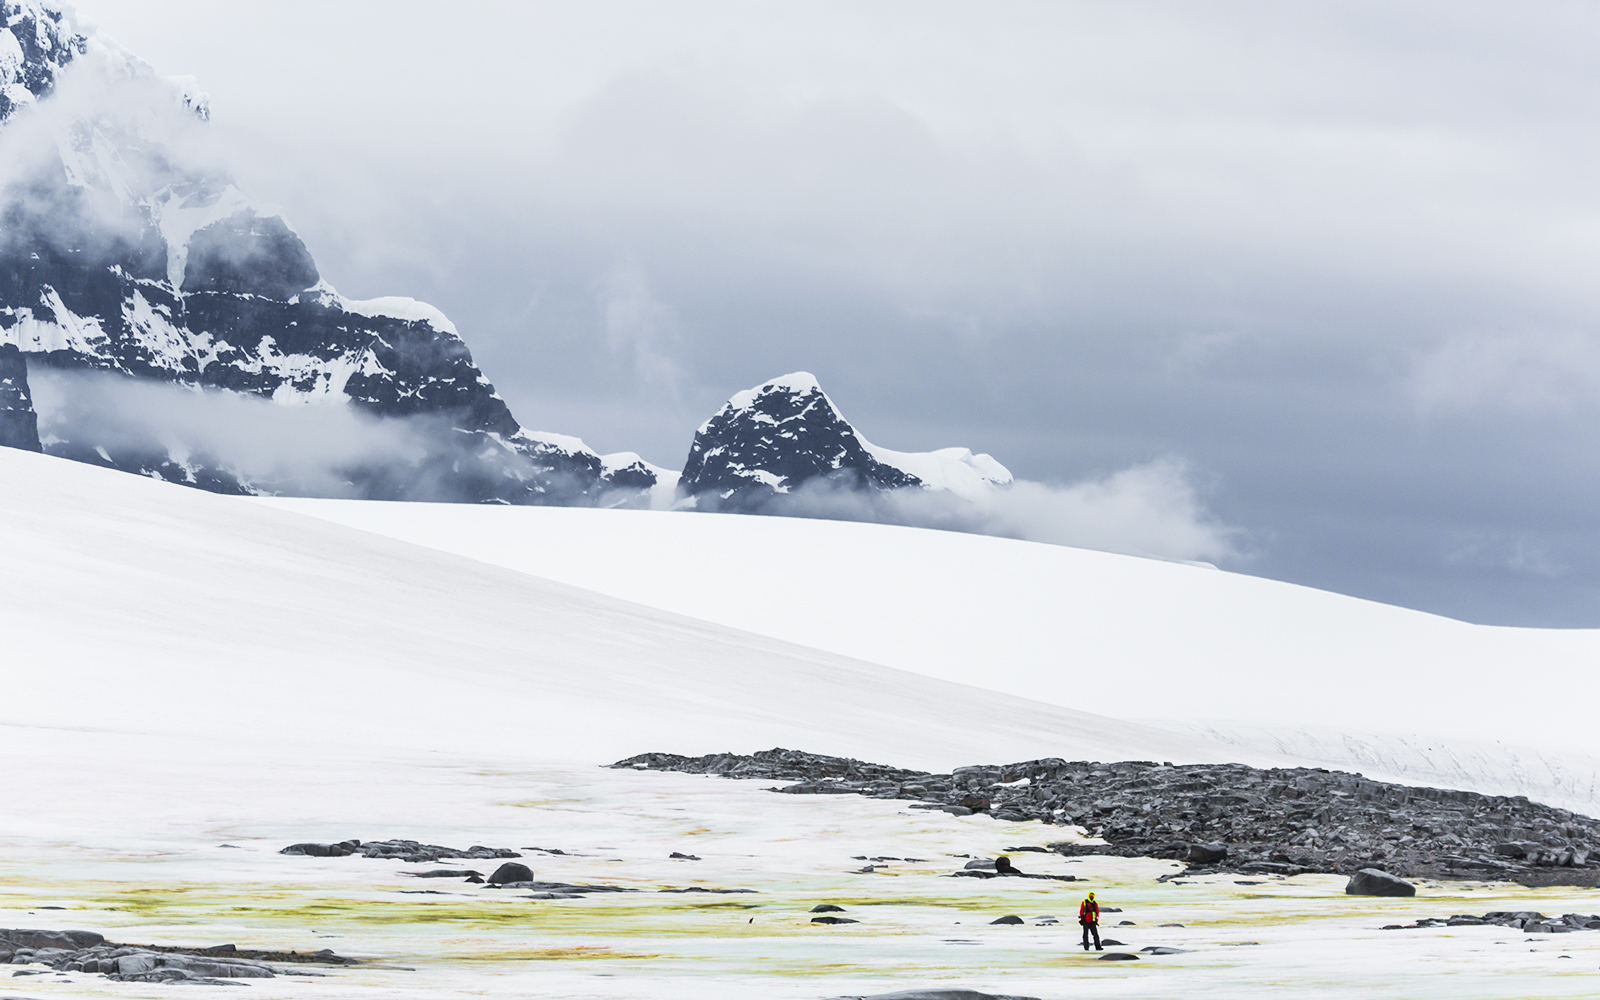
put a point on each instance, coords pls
(1218, 817)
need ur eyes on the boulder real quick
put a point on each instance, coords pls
(511, 871)
(1372, 882)
(1207, 853)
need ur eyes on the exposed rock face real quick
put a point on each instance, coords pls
(767, 442)
(35, 44)
(1372, 882)
(771, 439)
(1279, 820)
(121, 254)
(19, 425)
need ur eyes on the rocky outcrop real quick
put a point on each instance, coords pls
(1529, 921)
(19, 425)
(767, 442)
(409, 851)
(1278, 820)
(89, 952)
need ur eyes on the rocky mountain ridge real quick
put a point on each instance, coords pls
(128, 259)
(122, 256)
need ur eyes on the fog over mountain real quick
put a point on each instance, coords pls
(1328, 266)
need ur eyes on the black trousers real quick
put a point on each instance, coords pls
(1091, 928)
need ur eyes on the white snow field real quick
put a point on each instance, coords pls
(189, 682)
(132, 605)
(1291, 670)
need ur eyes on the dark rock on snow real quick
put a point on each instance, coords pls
(88, 952)
(1529, 921)
(1372, 882)
(936, 995)
(1283, 821)
(409, 851)
(511, 871)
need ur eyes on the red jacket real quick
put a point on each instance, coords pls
(1089, 912)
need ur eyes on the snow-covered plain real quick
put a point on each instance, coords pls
(183, 671)
(1286, 669)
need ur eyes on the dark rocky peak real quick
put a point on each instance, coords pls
(771, 439)
(19, 426)
(767, 442)
(129, 256)
(36, 42)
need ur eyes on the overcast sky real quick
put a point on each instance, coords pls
(1335, 261)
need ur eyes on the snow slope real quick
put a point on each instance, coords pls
(128, 605)
(1111, 634)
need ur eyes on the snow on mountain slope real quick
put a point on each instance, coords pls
(1111, 634)
(130, 605)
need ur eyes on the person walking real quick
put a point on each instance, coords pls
(1089, 917)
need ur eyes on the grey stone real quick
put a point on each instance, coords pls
(1207, 853)
(511, 871)
(1373, 882)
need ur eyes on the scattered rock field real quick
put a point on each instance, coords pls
(1218, 817)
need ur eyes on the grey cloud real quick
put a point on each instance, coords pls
(1338, 257)
(1151, 509)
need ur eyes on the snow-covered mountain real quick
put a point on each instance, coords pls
(125, 253)
(769, 441)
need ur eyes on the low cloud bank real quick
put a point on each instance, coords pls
(1151, 509)
(231, 442)
(217, 439)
